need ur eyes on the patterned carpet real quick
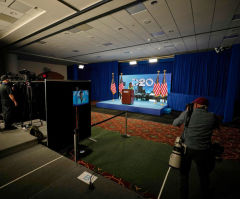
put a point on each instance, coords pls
(158, 132)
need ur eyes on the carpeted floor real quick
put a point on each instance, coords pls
(141, 165)
(141, 161)
(165, 133)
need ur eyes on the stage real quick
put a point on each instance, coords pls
(146, 107)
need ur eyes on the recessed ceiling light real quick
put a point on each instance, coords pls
(134, 62)
(159, 48)
(152, 60)
(81, 66)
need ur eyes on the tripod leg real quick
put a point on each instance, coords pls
(165, 179)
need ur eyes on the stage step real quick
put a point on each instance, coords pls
(16, 140)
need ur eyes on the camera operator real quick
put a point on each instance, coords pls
(8, 101)
(198, 127)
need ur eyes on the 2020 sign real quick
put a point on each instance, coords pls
(142, 82)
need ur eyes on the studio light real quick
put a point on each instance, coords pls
(133, 62)
(81, 66)
(153, 60)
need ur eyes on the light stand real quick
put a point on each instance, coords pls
(126, 135)
(78, 149)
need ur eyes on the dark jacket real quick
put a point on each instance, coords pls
(199, 131)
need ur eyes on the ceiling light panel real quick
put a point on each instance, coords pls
(7, 18)
(12, 13)
(82, 4)
(163, 17)
(136, 9)
(18, 23)
(84, 27)
(20, 7)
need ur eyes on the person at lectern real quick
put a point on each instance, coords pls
(8, 102)
(130, 86)
(81, 96)
(198, 128)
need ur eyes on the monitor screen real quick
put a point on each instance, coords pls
(80, 97)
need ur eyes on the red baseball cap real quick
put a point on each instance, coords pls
(201, 101)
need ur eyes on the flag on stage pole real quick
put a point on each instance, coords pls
(121, 86)
(164, 88)
(113, 85)
(156, 86)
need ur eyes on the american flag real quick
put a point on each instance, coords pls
(164, 88)
(113, 85)
(121, 86)
(156, 87)
(113, 88)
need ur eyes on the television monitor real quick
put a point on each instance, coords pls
(80, 97)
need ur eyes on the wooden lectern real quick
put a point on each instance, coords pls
(127, 96)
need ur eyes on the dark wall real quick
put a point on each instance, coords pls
(100, 75)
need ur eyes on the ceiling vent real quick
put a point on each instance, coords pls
(236, 17)
(84, 27)
(157, 34)
(107, 44)
(20, 7)
(7, 18)
(136, 9)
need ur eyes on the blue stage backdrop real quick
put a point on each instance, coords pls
(146, 81)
